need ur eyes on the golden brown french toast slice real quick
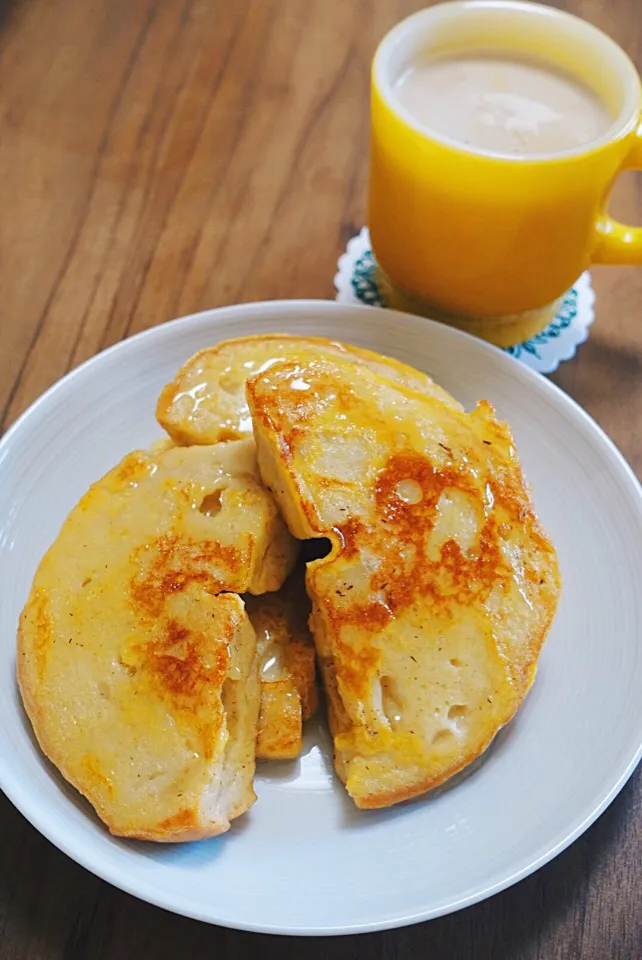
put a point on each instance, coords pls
(286, 668)
(431, 609)
(206, 402)
(137, 661)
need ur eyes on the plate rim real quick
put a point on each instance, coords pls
(28, 806)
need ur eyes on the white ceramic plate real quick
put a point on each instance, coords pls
(304, 860)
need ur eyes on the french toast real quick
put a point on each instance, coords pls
(286, 668)
(137, 661)
(206, 403)
(430, 611)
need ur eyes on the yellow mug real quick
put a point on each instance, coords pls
(491, 242)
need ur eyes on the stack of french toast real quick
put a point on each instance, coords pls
(174, 628)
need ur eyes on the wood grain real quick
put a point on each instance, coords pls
(158, 157)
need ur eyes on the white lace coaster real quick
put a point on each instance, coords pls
(355, 283)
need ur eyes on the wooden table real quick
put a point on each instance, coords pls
(162, 156)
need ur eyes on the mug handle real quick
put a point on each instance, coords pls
(617, 242)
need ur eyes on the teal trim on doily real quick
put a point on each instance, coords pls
(366, 290)
(363, 281)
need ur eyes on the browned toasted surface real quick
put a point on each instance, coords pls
(286, 668)
(280, 729)
(431, 609)
(206, 401)
(138, 672)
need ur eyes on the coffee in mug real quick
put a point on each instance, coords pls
(499, 104)
(498, 128)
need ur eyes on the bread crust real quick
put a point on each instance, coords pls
(286, 668)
